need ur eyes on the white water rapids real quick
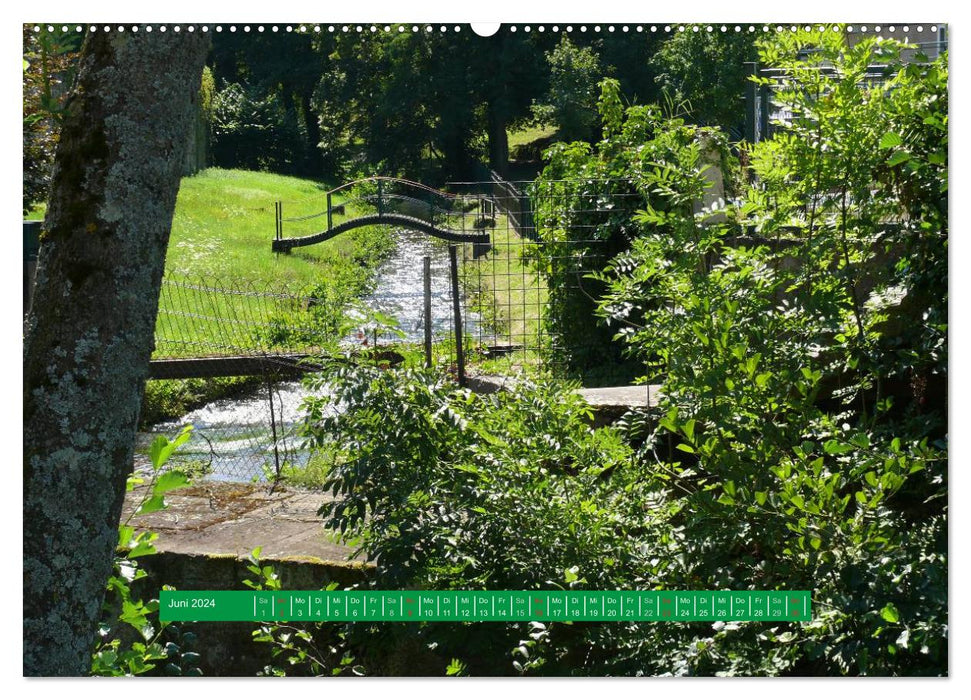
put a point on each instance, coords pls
(234, 436)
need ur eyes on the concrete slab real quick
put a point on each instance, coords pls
(219, 519)
(608, 403)
(490, 383)
(228, 519)
(645, 396)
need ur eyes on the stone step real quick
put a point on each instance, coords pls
(222, 519)
(608, 403)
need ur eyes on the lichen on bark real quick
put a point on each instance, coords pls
(89, 336)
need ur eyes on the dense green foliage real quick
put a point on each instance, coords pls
(509, 490)
(252, 130)
(448, 488)
(424, 104)
(585, 201)
(704, 72)
(799, 332)
(805, 368)
(263, 117)
(430, 105)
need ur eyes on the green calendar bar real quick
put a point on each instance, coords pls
(484, 606)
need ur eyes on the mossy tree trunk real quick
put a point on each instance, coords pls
(498, 141)
(89, 336)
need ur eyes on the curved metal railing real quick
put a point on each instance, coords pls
(458, 218)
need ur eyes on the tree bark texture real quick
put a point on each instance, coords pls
(90, 332)
(498, 142)
(312, 123)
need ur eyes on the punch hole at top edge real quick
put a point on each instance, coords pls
(485, 29)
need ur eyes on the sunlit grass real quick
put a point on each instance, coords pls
(36, 212)
(529, 134)
(225, 222)
(221, 238)
(509, 295)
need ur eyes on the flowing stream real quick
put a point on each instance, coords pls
(235, 437)
(399, 288)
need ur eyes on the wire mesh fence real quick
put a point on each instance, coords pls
(535, 286)
(207, 317)
(525, 298)
(234, 346)
(242, 345)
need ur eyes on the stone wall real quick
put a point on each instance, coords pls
(227, 648)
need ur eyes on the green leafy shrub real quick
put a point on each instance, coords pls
(795, 362)
(452, 452)
(706, 71)
(514, 490)
(585, 200)
(131, 640)
(299, 648)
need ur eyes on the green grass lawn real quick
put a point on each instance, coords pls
(36, 212)
(529, 134)
(508, 294)
(224, 225)
(226, 292)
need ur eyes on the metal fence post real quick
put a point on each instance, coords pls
(428, 309)
(276, 450)
(457, 312)
(751, 121)
(330, 216)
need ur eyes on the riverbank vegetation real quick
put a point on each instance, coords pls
(796, 320)
(227, 293)
(800, 442)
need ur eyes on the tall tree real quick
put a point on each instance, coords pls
(705, 72)
(277, 73)
(89, 336)
(508, 72)
(571, 102)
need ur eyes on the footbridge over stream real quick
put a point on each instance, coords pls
(467, 221)
(372, 201)
(469, 277)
